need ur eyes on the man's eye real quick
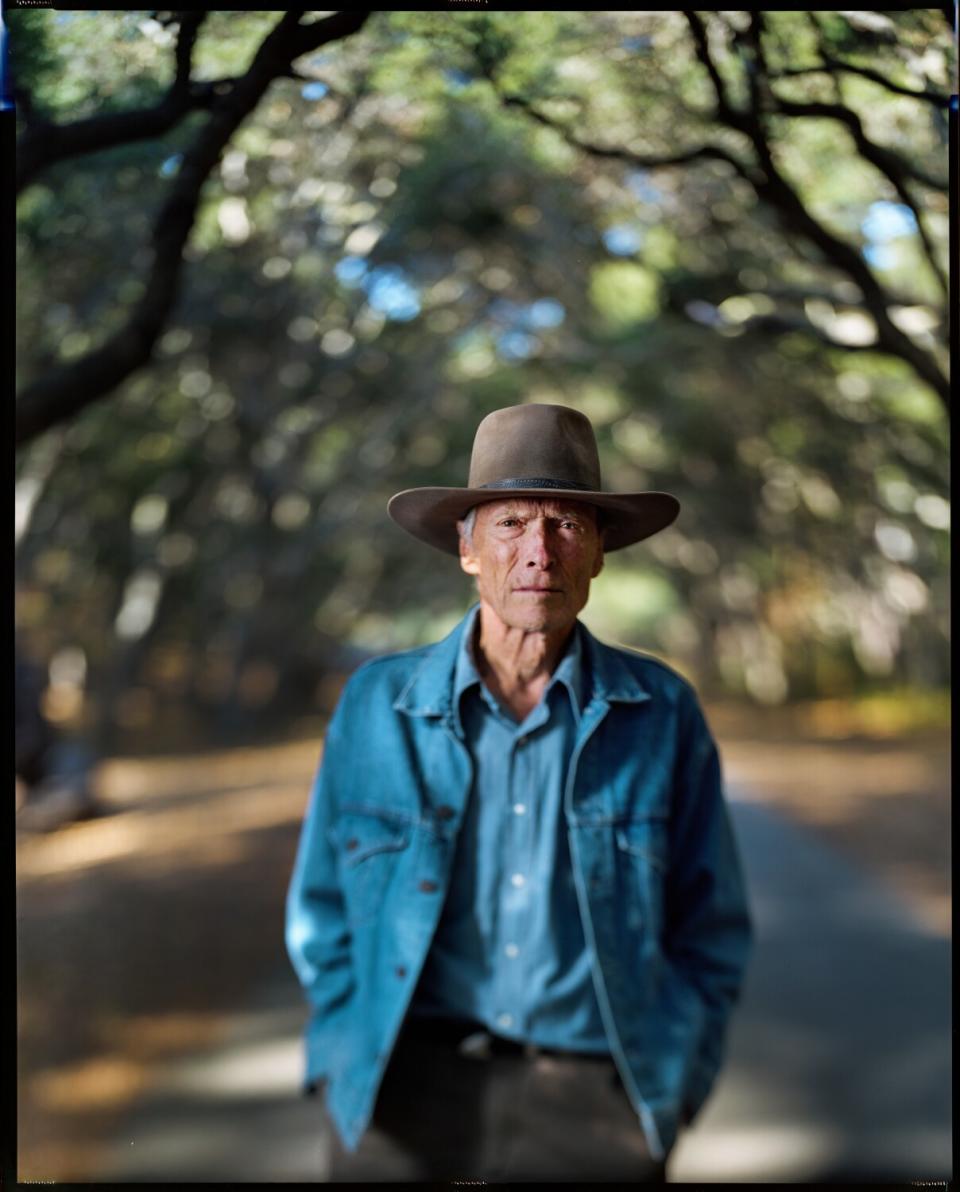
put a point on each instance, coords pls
(509, 522)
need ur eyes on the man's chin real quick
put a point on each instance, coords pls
(542, 620)
(520, 612)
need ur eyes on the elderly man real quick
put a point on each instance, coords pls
(517, 909)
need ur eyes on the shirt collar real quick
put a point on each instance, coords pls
(569, 671)
(609, 675)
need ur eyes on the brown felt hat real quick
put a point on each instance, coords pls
(532, 451)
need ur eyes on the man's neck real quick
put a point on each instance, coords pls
(515, 664)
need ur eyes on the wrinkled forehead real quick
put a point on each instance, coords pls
(552, 507)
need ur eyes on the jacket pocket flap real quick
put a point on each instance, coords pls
(357, 837)
(646, 838)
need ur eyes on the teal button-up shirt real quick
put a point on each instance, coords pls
(510, 950)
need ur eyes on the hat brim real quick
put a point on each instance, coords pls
(431, 514)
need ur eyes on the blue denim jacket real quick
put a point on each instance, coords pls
(655, 866)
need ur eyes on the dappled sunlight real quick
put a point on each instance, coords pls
(90, 1085)
(141, 930)
(783, 1153)
(122, 780)
(152, 1036)
(105, 1083)
(138, 837)
(261, 1068)
(197, 834)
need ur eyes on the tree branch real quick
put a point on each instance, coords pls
(773, 189)
(43, 144)
(834, 64)
(305, 38)
(643, 161)
(26, 108)
(190, 23)
(890, 163)
(780, 195)
(730, 115)
(894, 168)
(68, 389)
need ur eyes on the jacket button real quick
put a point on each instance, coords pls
(427, 886)
(445, 812)
(401, 971)
(351, 844)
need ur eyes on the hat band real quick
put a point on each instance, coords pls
(538, 482)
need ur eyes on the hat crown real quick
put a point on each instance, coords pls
(535, 442)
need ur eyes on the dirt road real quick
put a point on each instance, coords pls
(141, 932)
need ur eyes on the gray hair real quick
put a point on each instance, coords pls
(467, 522)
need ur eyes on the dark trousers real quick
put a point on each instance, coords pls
(471, 1111)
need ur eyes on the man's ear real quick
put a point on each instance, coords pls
(468, 560)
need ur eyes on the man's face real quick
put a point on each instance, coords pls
(533, 560)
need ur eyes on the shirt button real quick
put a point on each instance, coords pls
(445, 812)
(505, 1020)
(518, 880)
(427, 886)
(511, 950)
(351, 844)
(519, 809)
(522, 740)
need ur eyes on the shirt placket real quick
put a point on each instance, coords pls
(519, 878)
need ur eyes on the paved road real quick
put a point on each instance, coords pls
(838, 1062)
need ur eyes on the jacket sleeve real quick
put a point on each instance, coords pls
(317, 934)
(708, 929)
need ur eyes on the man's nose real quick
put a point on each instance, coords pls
(538, 545)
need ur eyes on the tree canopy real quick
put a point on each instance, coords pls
(273, 267)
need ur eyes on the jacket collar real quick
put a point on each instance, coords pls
(429, 691)
(612, 681)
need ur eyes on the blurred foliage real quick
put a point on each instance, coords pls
(385, 253)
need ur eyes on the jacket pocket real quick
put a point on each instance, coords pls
(642, 861)
(369, 847)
